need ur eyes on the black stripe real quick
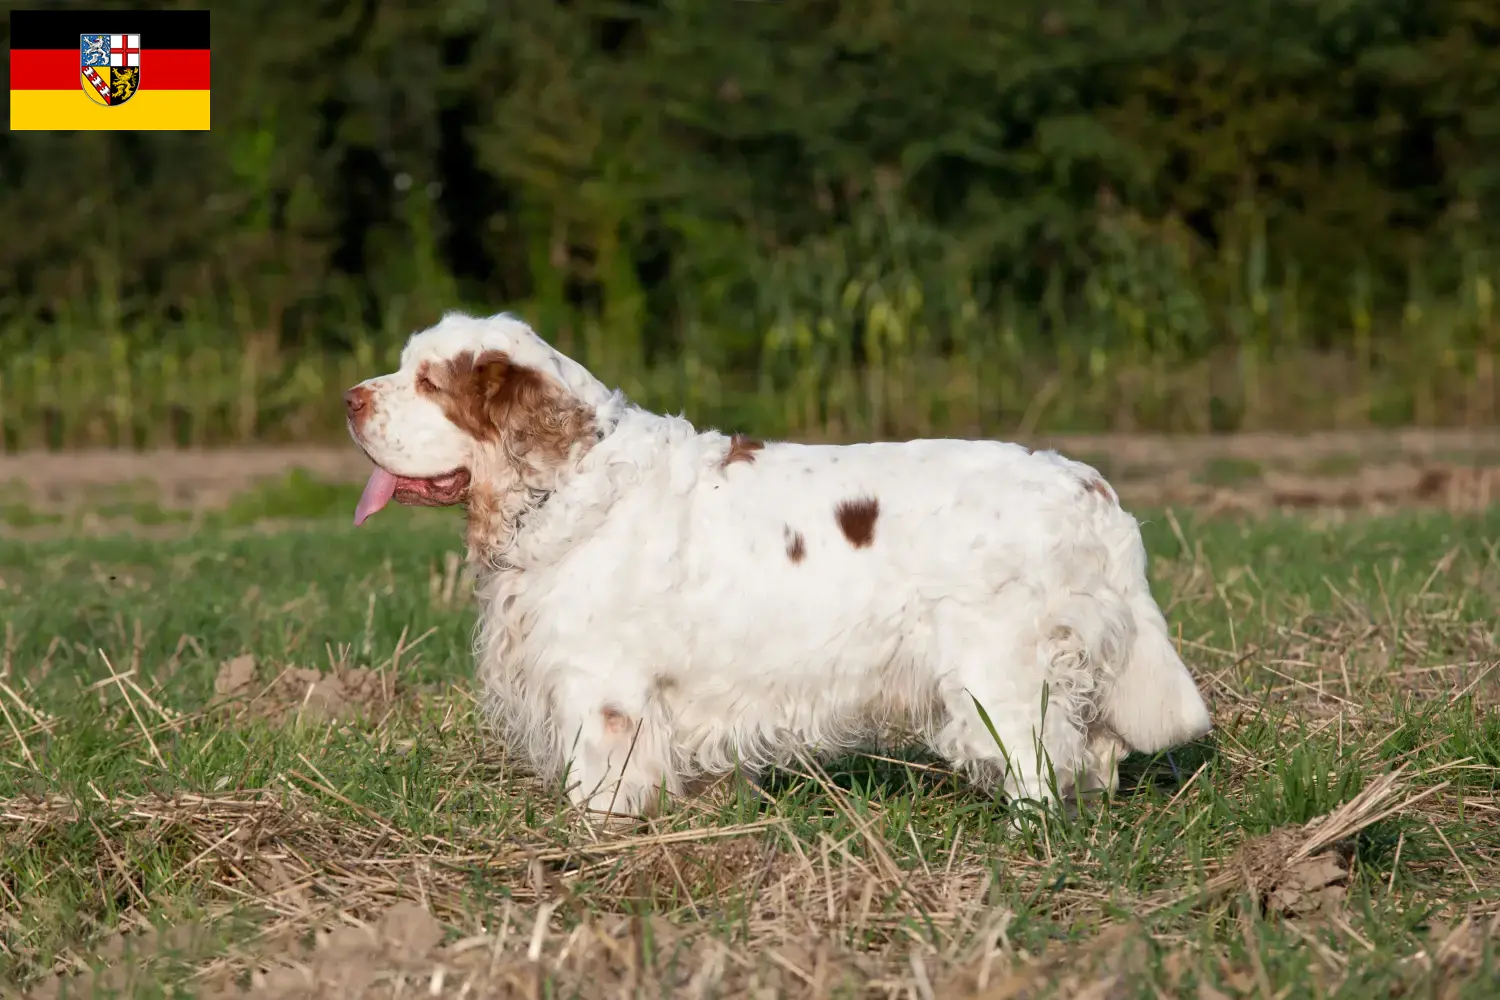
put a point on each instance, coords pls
(59, 29)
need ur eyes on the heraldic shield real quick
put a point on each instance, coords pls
(110, 66)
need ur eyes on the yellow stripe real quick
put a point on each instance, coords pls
(54, 110)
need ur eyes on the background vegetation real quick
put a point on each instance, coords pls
(825, 217)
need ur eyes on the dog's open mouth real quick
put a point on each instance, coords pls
(438, 491)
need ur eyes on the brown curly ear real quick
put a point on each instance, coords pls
(533, 419)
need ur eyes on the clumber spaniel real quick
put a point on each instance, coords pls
(659, 604)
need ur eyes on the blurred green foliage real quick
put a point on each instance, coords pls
(704, 197)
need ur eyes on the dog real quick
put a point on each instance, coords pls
(660, 605)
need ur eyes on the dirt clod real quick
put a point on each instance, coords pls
(1290, 886)
(301, 692)
(235, 677)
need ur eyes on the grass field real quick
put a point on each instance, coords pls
(243, 755)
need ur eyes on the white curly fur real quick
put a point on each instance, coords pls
(650, 615)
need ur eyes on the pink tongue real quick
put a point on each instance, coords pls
(378, 493)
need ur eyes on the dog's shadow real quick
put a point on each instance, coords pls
(1167, 771)
(914, 771)
(899, 773)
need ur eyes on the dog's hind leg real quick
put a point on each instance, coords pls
(1002, 722)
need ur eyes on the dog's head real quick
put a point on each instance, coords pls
(479, 410)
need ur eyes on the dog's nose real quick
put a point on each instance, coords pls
(356, 399)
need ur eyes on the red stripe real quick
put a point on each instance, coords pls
(174, 69)
(59, 69)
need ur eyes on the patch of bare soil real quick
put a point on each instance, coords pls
(180, 479)
(302, 692)
(1384, 487)
(1320, 446)
(1458, 470)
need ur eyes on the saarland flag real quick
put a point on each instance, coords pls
(78, 69)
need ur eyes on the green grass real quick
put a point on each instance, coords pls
(133, 797)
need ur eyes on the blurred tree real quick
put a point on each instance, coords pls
(620, 164)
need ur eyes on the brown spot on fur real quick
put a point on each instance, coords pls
(1100, 488)
(495, 400)
(533, 425)
(425, 383)
(856, 519)
(741, 449)
(616, 722)
(796, 547)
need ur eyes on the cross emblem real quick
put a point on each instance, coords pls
(124, 50)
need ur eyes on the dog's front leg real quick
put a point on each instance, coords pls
(615, 759)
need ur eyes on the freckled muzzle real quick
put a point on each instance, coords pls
(443, 490)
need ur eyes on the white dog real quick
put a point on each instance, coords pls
(660, 604)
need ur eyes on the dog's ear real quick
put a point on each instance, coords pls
(484, 388)
(533, 419)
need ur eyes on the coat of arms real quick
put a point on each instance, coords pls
(111, 67)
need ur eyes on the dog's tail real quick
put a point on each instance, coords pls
(1146, 693)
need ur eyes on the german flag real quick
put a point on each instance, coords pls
(74, 69)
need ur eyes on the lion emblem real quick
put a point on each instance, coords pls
(96, 50)
(122, 84)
